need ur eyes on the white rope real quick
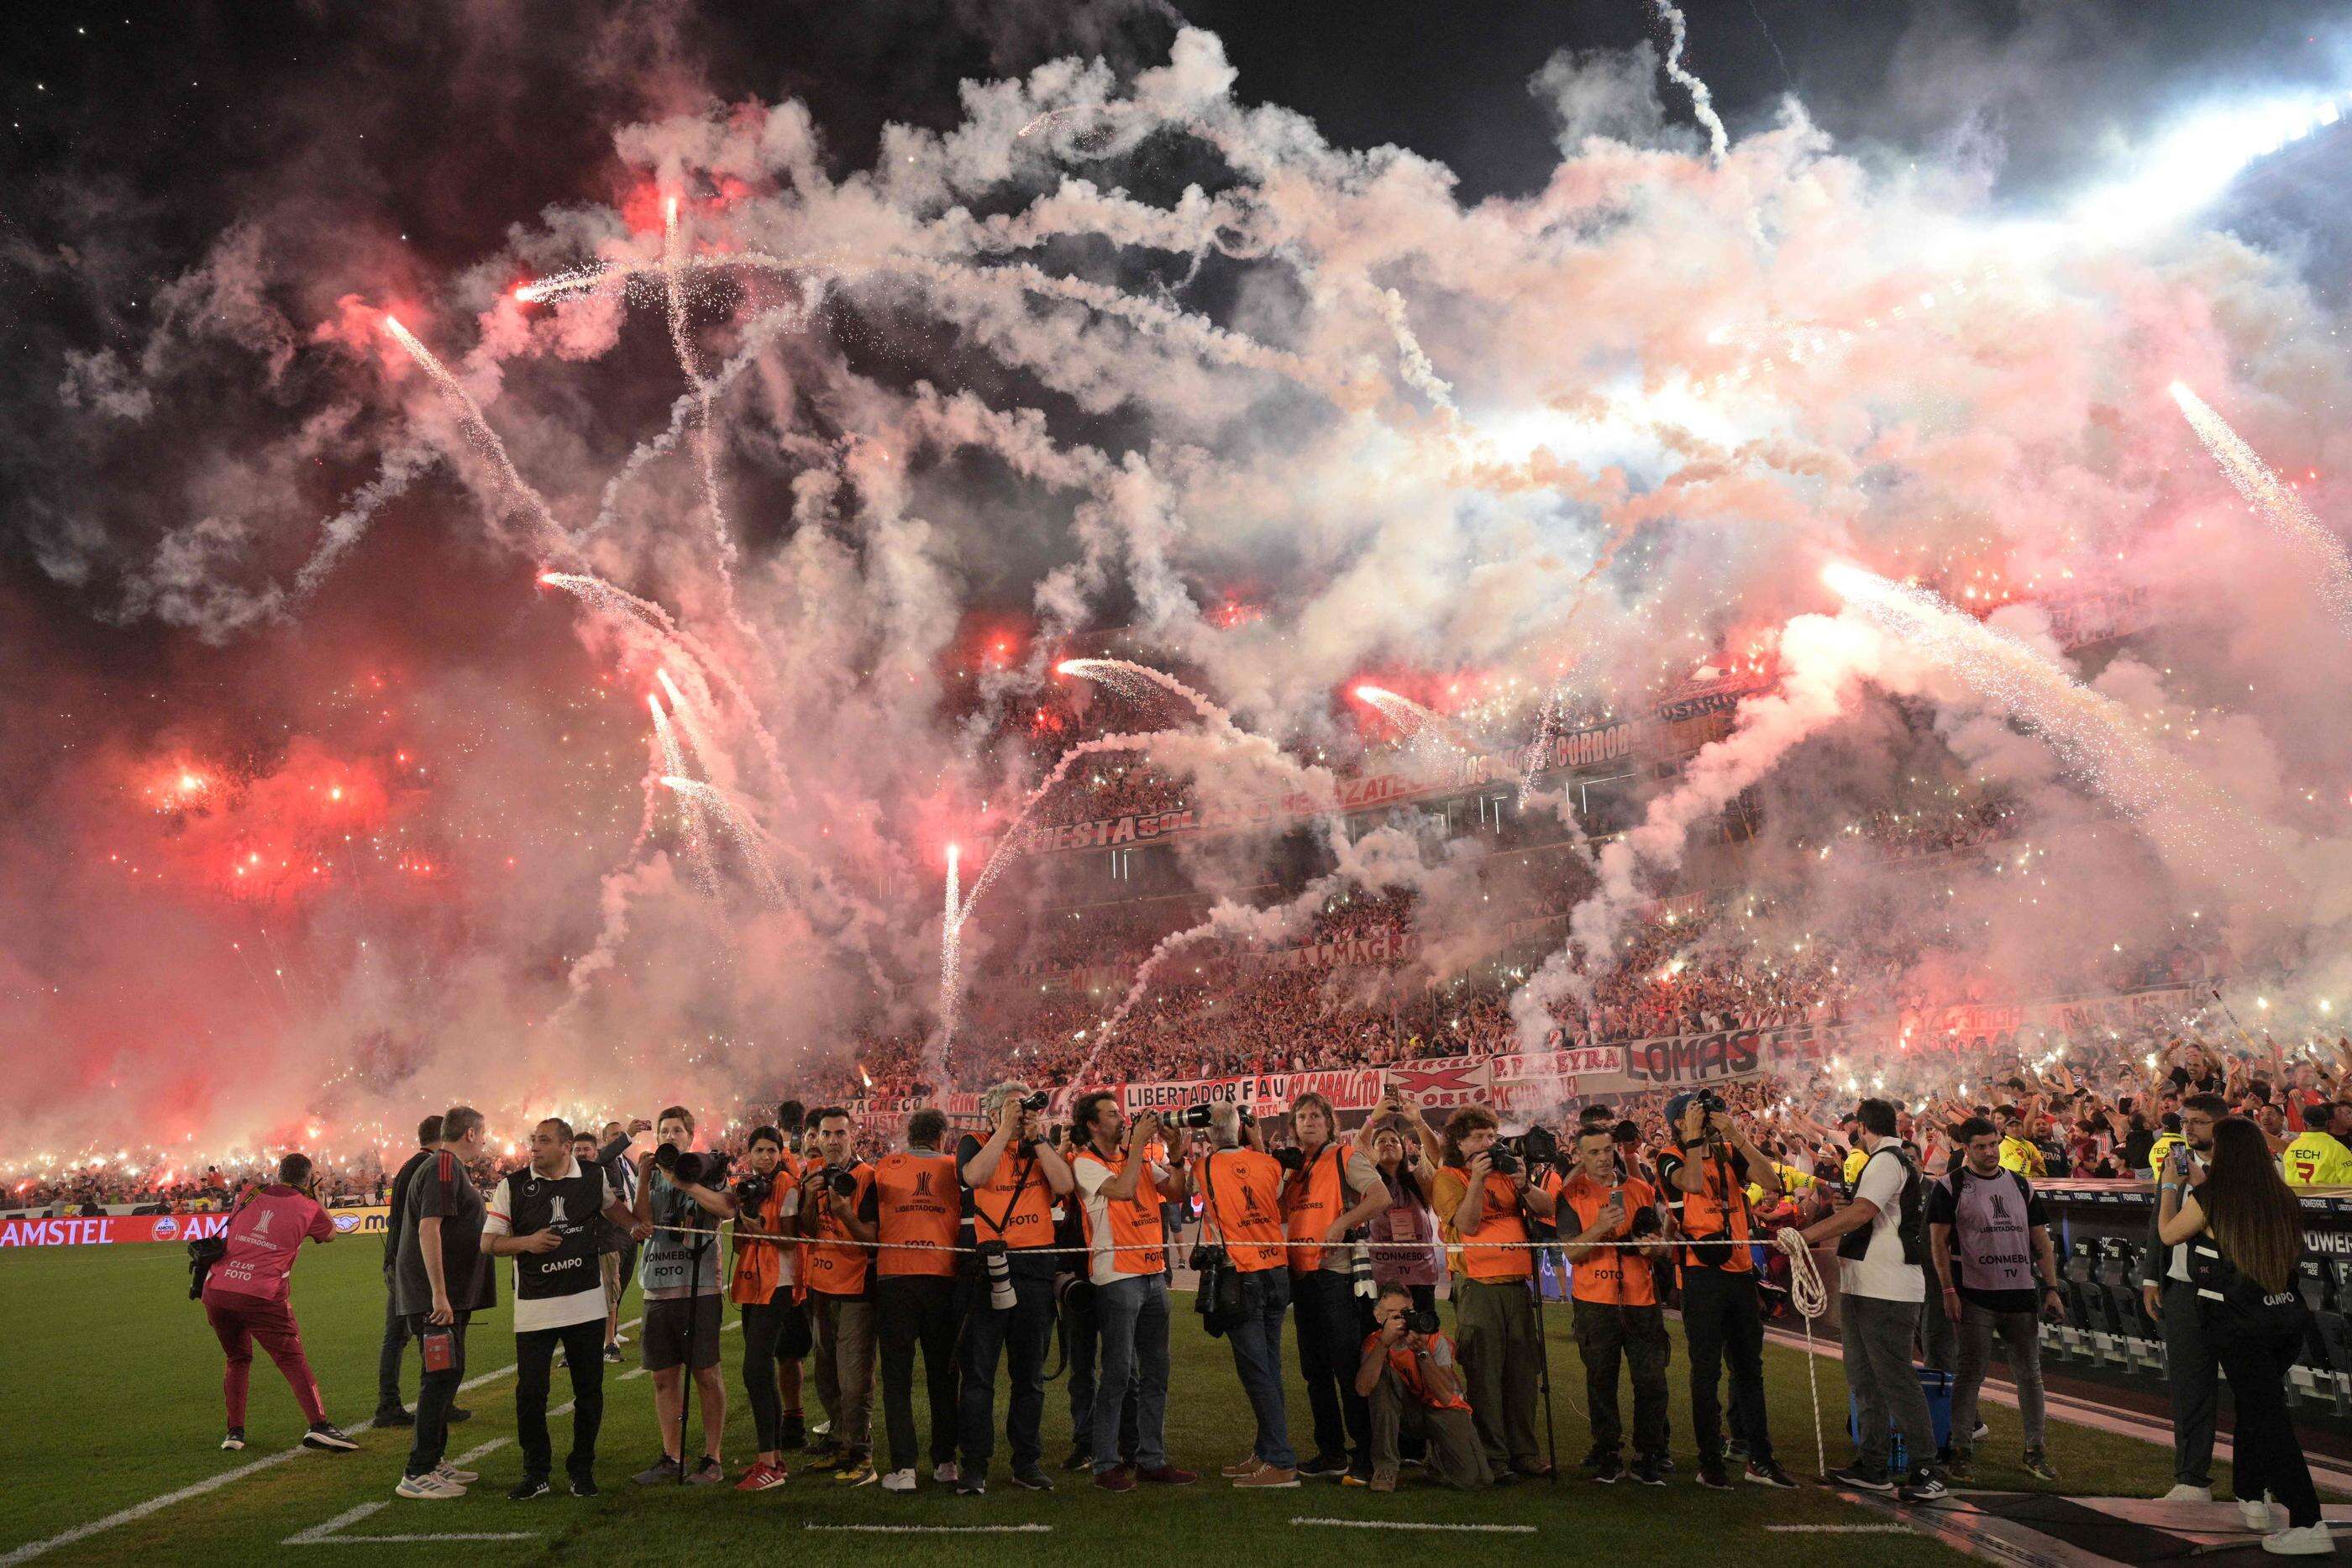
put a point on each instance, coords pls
(1811, 1300)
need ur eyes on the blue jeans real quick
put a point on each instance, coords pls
(1084, 1334)
(1257, 1356)
(1132, 1317)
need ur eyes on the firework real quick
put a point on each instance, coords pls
(951, 954)
(1416, 722)
(674, 765)
(2326, 563)
(741, 831)
(1137, 682)
(552, 538)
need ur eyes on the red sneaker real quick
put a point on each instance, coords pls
(1118, 1478)
(760, 1476)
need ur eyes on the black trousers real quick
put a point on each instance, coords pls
(1636, 1337)
(387, 1359)
(762, 1321)
(2269, 1458)
(918, 1310)
(1021, 1335)
(1332, 1322)
(583, 1350)
(436, 1393)
(1723, 1322)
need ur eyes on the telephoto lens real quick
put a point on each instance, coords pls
(1360, 1273)
(1000, 1276)
(1194, 1117)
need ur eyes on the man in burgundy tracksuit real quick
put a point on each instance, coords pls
(245, 1297)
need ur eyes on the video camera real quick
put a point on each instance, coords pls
(687, 1169)
(1536, 1146)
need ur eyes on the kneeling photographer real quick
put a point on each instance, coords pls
(1484, 1198)
(680, 1277)
(1241, 1223)
(1407, 1377)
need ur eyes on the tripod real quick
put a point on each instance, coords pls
(1543, 1374)
(702, 1239)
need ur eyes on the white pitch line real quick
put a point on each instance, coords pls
(1408, 1524)
(932, 1529)
(331, 1533)
(1841, 1528)
(153, 1505)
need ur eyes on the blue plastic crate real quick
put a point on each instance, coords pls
(1938, 1387)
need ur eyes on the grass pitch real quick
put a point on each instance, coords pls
(113, 1401)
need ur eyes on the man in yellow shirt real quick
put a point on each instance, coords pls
(2317, 1158)
(2016, 1151)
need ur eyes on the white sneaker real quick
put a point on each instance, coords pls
(449, 1472)
(898, 1480)
(2184, 1492)
(946, 1473)
(429, 1487)
(2260, 1514)
(2305, 1541)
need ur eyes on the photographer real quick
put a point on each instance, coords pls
(1241, 1211)
(1011, 1183)
(1073, 1295)
(911, 1209)
(1881, 1285)
(1406, 1376)
(765, 1287)
(841, 1298)
(1402, 1237)
(1611, 1226)
(1707, 1172)
(1990, 1238)
(545, 1217)
(1333, 1189)
(1484, 1198)
(1122, 1190)
(620, 1265)
(246, 1298)
(680, 1278)
(444, 1278)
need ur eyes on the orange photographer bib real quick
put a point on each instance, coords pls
(1499, 1220)
(1242, 1189)
(837, 1266)
(916, 1202)
(1608, 1275)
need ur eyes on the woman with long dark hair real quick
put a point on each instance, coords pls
(2244, 1231)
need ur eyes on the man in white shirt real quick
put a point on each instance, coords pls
(544, 1217)
(1881, 1284)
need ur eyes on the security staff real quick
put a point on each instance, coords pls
(545, 1217)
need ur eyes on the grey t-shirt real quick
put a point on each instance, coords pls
(442, 1189)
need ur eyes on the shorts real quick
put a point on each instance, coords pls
(664, 1341)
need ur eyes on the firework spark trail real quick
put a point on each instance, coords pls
(698, 859)
(2096, 738)
(1135, 683)
(603, 595)
(555, 540)
(1702, 100)
(1548, 727)
(1166, 947)
(697, 738)
(706, 442)
(2331, 567)
(951, 959)
(1417, 722)
(740, 830)
(1011, 833)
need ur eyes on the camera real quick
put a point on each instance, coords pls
(1420, 1320)
(1289, 1158)
(838, 1179)
(1195, 1117)
(1001, 1294)
(1033, 1103)
(686, 1167)
(1534, 1147)
(752, 1190)
(1205, 1257)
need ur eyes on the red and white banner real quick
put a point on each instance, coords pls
(1267, 1093)
(108, 1230)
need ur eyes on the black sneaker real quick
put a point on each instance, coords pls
(1962, 1468)
(1854, 1475)
(1736, 1450)
(1324, 1465)
(972, 1486)
(612, 1354)
(393, 1415)
(234, 1440)
(324, 1436)
(1506, 1477)
(457, 1416)
(1079, 1460)
(791, 1433)
(526, 1488)
(1667, 1463)
(1595, 1460)
(1712, 1476)
(1032, 1479)
(2037, 1465)
(1925, 1486)
(1607, 1470)
(585, 1486)
(1768, 1473)
(1647, 1473)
